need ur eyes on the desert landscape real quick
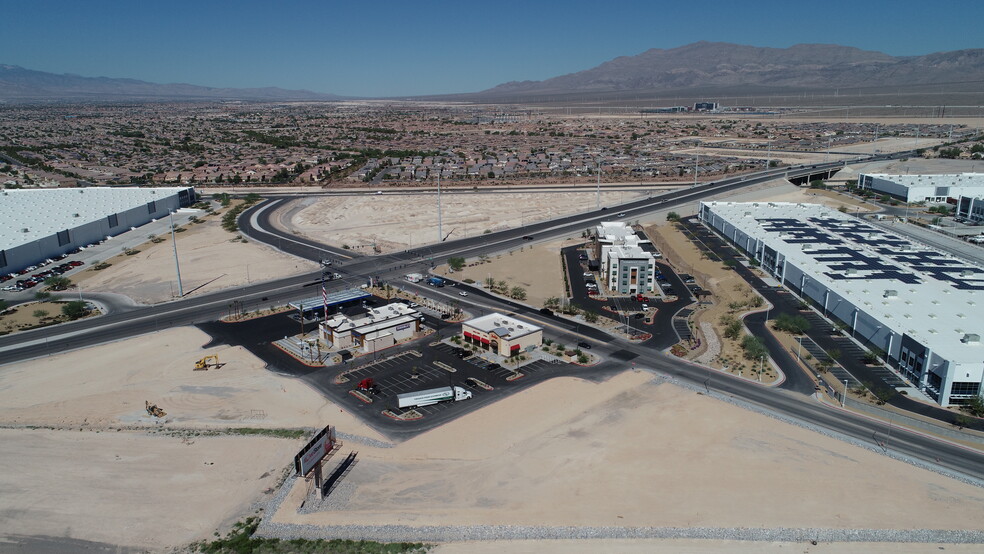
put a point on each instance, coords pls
(635, 452)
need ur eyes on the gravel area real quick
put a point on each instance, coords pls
(404, 533)
(712, 342)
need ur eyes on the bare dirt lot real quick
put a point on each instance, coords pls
(389, 223)
(210, 260)
(634, 453)
(83, 459)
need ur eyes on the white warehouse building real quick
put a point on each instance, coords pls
(924, 188)
(36, 224)
(913, 302)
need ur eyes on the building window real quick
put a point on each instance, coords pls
(965, 389)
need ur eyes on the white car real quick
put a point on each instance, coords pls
(463, 293)
(621, 214)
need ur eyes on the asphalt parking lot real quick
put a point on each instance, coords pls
(392, 372)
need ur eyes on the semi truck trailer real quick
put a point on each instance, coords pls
(432, 396)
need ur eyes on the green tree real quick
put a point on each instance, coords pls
(795, 324)
(490, 282)
(75, 309)
(3, 305)
(519, 293)
(974, 406)
(40, 314)
(733, 330)
(57, 282)
(42, 295)
(456, 263)
(673, 216)
(753, 347)
(552, 302)
(590, 316)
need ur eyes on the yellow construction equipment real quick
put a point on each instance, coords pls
(207, 362)
(153, 410)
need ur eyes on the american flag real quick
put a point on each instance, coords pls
(324, 296)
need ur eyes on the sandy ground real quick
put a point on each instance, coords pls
(131, 488)
(156, 490)
(536, 268)
(405, 222)
(210, 261)
(683, 546)
(633, 453)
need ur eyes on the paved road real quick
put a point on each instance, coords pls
(209, 307)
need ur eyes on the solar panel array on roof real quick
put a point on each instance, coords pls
(856, 250)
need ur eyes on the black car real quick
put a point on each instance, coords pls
(546, 311)
(492, 367)
(527, 237)
(584, 345)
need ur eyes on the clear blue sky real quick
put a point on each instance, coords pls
(414, 47)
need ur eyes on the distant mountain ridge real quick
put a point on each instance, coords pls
(724, 64)
(18, 84)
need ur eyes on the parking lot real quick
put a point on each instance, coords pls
(426, 367)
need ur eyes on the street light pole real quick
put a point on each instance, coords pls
(174, 244)
(844, 396)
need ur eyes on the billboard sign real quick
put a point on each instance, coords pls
(314, 451)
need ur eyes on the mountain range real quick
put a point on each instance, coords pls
(701, 64)
(26, 85)
(804, 66)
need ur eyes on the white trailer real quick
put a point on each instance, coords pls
(414, 277)
(432, 396)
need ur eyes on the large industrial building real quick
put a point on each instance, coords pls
(913, 302)
(503, 335)
(924, 188)
(627, 261)
(45, 223)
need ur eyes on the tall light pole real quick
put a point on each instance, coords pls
(844, 396)
(598, 188)
(696, 167)
(177, 266)
(440, 233)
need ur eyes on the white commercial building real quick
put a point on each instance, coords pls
(379, 328)
(971, 208)
(911, 301)
(924, 188)
(503, 335)
(625, 265)
(43, 223)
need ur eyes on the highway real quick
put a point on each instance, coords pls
(254, 223)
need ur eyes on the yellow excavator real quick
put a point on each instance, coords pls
(207, 362)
